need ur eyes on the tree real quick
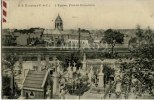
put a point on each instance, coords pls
(107, 73)
(10, 60)
(143, 65)
(6, 87)
(144, 36)
(112, 37)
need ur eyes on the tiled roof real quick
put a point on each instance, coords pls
(34, 79)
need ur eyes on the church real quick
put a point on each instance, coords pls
(59, 37)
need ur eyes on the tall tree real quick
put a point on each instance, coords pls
(112, 37)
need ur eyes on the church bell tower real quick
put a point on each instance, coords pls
(59, 23)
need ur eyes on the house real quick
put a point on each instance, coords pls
(22, 39)
(37, 85)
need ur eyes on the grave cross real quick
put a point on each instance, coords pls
(69, 64)
(74, 64)
(58, 62)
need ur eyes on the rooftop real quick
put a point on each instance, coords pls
(34, 79)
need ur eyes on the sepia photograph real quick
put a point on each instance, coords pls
(77, 49)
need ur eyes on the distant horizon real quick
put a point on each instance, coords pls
(80, 28)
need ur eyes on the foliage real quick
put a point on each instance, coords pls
(145, 48)
(107, 72)
(143, 65)
(80, 88)
(10, 60)
(31, 30)
(90, 39)
(143, 36)
(112, 37)
(132, 40)
(6, 87)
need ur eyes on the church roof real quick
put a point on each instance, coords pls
(35, 79)
(58, 18)
(56, 31)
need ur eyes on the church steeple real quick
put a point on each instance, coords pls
(59, 23)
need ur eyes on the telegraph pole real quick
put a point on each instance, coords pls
(79, 37)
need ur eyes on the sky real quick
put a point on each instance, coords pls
(100, 14)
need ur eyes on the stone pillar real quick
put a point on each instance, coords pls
(58, 69)
(39, 62)
(70, 72)
(74, 68)
(79, 70)
(90, 74)
(55, 77)
(101, 77)
(84, 62)
(69, 67)
(22, 94)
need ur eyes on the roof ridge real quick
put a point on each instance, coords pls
(25, 78)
